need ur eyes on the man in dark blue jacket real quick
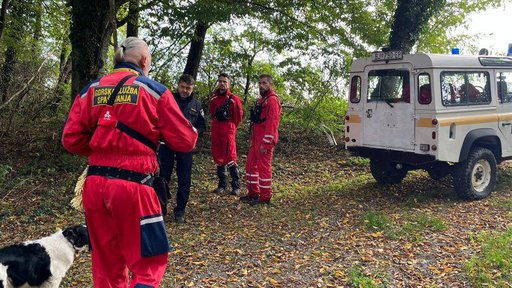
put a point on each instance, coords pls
(191, 109)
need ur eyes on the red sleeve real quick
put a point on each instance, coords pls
(176, 131)
(77, 134)
(272, 122)
(212, 108)
(238, 112)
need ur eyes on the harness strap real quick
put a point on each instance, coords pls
(123, 174)
(123, 127)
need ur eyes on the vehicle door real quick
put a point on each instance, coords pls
(504, 91)
(389, 108)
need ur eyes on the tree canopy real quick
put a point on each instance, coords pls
(52, 49)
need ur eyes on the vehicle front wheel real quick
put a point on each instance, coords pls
(476, 177)
(386, 172)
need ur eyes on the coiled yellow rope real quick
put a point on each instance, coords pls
(76, 202)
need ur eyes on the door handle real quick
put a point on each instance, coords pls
(506, 124)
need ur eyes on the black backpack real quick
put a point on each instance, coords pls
(222, 113)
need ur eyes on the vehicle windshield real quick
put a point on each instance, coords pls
(390, 85)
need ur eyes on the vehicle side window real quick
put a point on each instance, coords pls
(390, 85)
(355, 89)
(425, 90)
(504, 86)
(465, 88)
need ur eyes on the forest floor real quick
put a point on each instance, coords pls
(330, 224)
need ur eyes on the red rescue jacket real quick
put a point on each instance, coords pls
(235, 107)
(266, 132)
(144, 105)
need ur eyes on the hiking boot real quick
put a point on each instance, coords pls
(259, 202)
(219, 190)
(236, 191)
(234, 172)
(248, 199)
(223, 180)
(180, 219)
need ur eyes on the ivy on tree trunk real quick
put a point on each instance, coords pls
(196, 49)
(91, 31)
(411, 16)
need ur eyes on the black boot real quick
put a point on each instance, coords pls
(223, 180)
(235, 179)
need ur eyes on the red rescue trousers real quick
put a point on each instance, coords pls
(126, 232)
(259, 172)
(224, 147)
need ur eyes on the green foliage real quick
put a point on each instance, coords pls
(491, 267)
(4, 172)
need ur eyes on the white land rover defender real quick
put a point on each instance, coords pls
(442, 113)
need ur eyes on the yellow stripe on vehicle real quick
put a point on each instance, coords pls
(468, 120)
(424, 122)
(354, 119)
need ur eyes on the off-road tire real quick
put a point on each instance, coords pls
(476, 177)
(385, 172)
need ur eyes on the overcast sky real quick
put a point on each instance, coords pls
(496, 27)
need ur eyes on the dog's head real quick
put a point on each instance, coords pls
(77, 236)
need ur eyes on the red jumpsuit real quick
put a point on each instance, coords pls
(264, 135)
(223, 132)
(124, 219)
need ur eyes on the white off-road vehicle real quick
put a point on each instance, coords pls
(442, 113)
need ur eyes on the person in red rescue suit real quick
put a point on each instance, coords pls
(265, 117)
(122, 210)
(226, 114)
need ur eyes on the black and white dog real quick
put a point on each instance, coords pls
(44, 262)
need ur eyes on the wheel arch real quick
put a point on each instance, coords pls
(483, 137)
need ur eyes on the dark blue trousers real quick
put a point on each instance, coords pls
(166, 158)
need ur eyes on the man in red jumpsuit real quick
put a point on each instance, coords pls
(226, 114)
(265, 117)
(122, 210)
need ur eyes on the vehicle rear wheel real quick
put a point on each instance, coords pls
(476, 177)
(386, 172)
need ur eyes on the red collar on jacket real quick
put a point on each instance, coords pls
(228, 92)
(267, 94)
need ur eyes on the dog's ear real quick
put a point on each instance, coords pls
(68, 233)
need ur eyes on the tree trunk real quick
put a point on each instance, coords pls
(38, 26)
(133, 19)
(64, 73)
(248, 78)
(7, 72)
(3, 13)
(196, 49)
(411, 16)
(91, 31)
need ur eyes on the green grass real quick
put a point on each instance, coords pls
(359, 279)
(413, 228)
(357, 161)
(492, 266)
(376, 221)
(417, 224)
